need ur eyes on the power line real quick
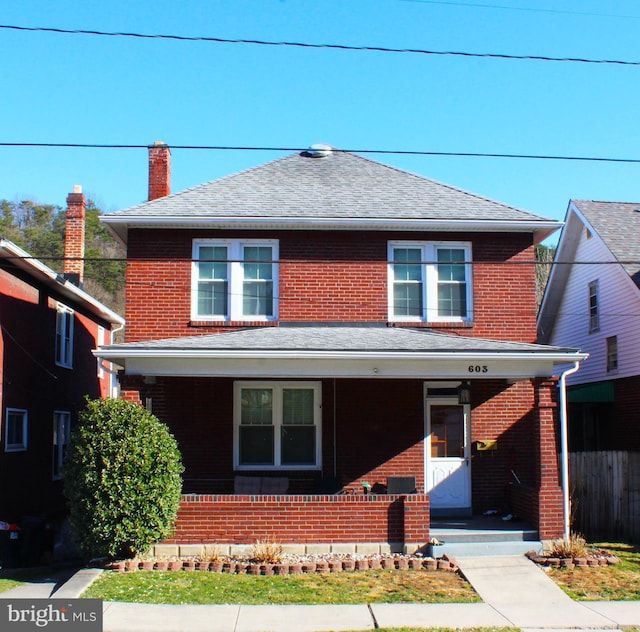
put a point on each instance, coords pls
(527, 9)
(397, 152)
(346, 47)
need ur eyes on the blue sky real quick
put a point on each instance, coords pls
(87, 89)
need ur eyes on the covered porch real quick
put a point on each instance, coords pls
(462, 416)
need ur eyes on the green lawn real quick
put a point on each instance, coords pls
(341, 588)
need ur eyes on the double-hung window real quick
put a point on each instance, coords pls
(594, 307)
(61, 435)
(277, 425)
(15, 430)
(612, 354)
(430, 281)
(64, 336)
(234, 280)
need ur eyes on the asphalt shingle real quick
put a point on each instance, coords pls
(340, 185)
(618, 225)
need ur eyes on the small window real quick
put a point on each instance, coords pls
(594, 307)
(612, 354)
(234, 280)
(64, 336)
(61, 435)
(277, 425)
(16, 430)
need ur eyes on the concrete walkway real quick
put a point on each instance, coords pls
(515, 593)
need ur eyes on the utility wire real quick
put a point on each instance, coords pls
(528, 9)
(377, 49)
(397, 152)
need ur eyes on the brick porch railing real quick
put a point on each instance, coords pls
(401, 521)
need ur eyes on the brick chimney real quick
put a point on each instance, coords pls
(74, 236)
(159, 170)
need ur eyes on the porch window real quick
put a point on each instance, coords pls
(15, 430)
(430, 281)
(64, 336)
(277, 425)
(234, 280)
(61, 435)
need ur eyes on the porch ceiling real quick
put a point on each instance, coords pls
(341, 351)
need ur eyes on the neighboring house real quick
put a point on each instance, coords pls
(324, 319)
(592, 301)
(49, 327)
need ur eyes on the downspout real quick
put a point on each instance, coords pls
(564, 449)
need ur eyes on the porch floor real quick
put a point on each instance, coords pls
(483, 535)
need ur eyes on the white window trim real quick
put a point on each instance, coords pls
(58, 446)
(235, 279)
(430, 281)
(277, 415)
(15, 447)
(64, 353)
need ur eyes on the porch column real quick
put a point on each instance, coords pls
(550, 507)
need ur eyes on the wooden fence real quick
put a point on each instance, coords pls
(605, 495)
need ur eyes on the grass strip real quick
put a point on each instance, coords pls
(158, 587)
(620, 582)
(8, 584)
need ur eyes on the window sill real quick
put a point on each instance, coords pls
(446, 324)
(231, 323)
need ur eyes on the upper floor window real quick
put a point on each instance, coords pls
(64, 336)
(612, 354)
(430, 281)
(61, 435)
(277, 425)
(234, 280)
(15, 430)
(594, 307)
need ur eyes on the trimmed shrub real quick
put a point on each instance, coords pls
(122, 478)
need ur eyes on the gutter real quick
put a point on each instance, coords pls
(564, 450)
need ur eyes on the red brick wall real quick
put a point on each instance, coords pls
(302, 519)
(327, 276)
(502, 413)
(550, 508)
(377, 431)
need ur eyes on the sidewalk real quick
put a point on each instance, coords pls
(515, 592)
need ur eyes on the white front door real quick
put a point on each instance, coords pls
(447, 470)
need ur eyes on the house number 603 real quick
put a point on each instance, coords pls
(478, 368)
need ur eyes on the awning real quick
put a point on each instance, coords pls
(597, 392)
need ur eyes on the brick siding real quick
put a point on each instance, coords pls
(302, 519)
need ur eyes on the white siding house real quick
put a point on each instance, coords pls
(592, 302)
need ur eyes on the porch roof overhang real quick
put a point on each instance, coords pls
(344, 351)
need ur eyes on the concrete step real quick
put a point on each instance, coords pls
(483, 535)
(479, 549)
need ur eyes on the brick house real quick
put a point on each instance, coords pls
(325, 321)
(49, 328)
(592, 300)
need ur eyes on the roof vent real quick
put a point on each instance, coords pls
(319, 150)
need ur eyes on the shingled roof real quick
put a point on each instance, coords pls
(618, 225)
(339, 186)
